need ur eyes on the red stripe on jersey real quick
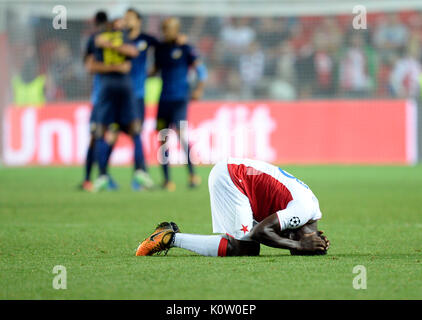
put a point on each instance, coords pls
(266, 194)
(222, 247)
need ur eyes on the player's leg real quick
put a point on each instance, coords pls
(102, 151)
(89, 163)
(141, 116)
(215, 245)
(231, 215)
(141, 178)
(167, 235)
(90, 154)
(111, 137)
(103, 145)
(163, 123)
(130, 121)
(181, 124)
(137, 130)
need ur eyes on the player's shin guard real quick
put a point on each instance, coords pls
(204, 245)
(139, 159)
(102, 154)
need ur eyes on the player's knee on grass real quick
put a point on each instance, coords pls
(242, 248)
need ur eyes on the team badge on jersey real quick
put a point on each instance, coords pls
(142, 45)
(294, 222)
(176, 53)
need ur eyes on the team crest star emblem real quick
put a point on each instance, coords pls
(176, 53)
(244, 229)
(142, 45)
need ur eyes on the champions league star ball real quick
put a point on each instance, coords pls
(294, 222)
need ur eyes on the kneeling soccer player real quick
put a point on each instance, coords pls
(252, 203)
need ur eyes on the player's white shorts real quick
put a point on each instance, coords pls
(230, 209)
(232, 213)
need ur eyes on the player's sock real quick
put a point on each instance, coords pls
(109, 151)
(102, 154)
(166, 172)
(204, 245)
(138, 153)
(187, 148)
(89, 161)
(165, 167)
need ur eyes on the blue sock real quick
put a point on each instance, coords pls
(110, 149)
(89, 161)
(186, 147)
(102, 155)
(166, 167)
(139, 159)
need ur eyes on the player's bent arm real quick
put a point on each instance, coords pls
(94, 66)
(202, 74)
(268, 232)
(88, 60)
(127, 50)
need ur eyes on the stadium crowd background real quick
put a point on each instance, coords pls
(251, 58)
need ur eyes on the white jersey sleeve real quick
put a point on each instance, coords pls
(298, 213)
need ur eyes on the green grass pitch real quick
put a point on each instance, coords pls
(372, 215)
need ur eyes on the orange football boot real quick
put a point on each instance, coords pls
(160, 240)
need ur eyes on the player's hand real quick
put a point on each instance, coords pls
(327, 242)
(197, 94)
(125, 67)
(102, 42)
(312, 242)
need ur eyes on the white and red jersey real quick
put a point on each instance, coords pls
(268, 188)
(244, 192)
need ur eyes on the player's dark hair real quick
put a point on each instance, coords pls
(100, 18)
(136, 12)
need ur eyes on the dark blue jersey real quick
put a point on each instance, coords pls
(115, 98)
(89, 50)
(138, 72)
(174, 61)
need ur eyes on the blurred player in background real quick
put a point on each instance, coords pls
(100, 22)
(115, 103)
(142, 42)
(174, 60)
(252, 203)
